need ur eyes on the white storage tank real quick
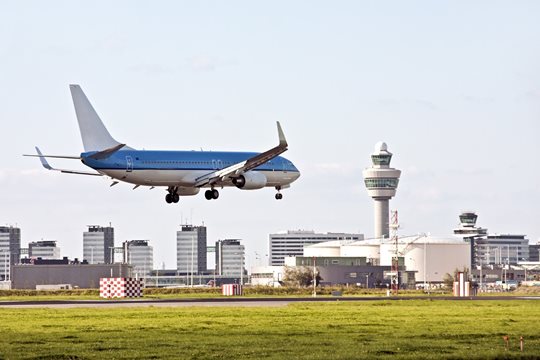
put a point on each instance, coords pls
(324, 249)
(369, 249)
(431, 257)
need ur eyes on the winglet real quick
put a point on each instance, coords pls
(282, 140)
(43, 160)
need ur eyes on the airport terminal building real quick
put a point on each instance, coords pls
(292, 243)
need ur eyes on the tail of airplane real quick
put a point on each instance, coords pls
(94, 134)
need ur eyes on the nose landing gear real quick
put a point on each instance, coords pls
(279, 195)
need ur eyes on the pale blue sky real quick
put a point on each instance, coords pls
(452, 87)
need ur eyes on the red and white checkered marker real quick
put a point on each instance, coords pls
(110, 288)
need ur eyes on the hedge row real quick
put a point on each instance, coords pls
(248, 290)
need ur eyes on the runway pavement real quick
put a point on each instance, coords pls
(235, 301)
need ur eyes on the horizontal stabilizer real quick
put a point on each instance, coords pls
(47, 166)
(55, 156)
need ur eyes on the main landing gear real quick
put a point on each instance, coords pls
(172, 196)
(211, 194)
(279, 195)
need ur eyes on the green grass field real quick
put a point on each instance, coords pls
(410, 329)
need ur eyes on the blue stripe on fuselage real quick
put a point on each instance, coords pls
(180, 160)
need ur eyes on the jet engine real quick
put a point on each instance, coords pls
(250, 180)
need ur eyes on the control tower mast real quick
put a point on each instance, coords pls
(381, 182)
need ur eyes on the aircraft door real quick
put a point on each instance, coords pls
(129, 164)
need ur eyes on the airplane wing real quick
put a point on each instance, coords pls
(49, 167)
(246, 165)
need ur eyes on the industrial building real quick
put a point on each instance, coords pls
(354, 270)
(173, 278)
(292, 243)
(140, 256)
(65, 272)
(10, 244)
(267, 275)
(430, 257)
(98, 244)
(44, 250)
(230, 258)
(191, 249)
(381, 182)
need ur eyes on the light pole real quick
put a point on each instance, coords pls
(192, 250)
(314, 279)
(481, 278)
(112, 254)
(242, 257)
(367, 281)
(425, 267)
(7, 265)
(241, 269)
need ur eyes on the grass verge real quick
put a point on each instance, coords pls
(415, 329)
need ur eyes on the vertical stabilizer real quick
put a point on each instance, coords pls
(94, 135)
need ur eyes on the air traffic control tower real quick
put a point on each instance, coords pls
(381, 182)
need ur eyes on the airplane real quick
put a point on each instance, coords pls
(182, 173)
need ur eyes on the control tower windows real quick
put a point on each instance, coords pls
(381, 159)
(372, 183)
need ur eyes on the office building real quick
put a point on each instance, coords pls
(502, 249)
(44, 250)
(381, 182)
(534, 252)
(491, 249)
(292, 243)
(98, 244)
(140, 256)
(230, 257)
(10, 244)
(191, 249)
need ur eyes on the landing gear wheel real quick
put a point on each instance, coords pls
(279, 196)
(215, 194)
(208, 194)
(175, 198)
(168, 198)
